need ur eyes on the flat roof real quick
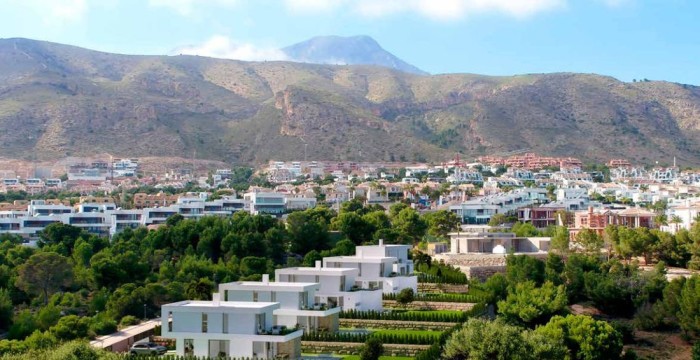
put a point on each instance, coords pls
(357, 259)
(312, 270)
(269, 286)
(222, 304)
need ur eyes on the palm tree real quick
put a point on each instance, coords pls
(675, 220)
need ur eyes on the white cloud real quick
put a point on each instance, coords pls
(432, 9)
(55, 12)
(220, 46)
(189, 7)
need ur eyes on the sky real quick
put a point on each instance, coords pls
(627, 39)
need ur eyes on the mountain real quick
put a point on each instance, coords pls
(353, 50)
(58, 100)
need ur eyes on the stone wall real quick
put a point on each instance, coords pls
(428, 305)
(442, 288)
(395, 324)
(345, 348)
(483, 272)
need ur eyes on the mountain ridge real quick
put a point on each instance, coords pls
(351, 50)
(58, 101)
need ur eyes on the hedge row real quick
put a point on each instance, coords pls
(405, 316)
(386, 338)
(453, 298)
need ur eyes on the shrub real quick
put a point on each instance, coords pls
(372, 349)
(129, 320)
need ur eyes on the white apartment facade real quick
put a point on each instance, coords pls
(299, 307)
(338, 287)
(384, 267)
(229, 329)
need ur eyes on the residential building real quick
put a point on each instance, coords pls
(385, 267)
(223, 329)
(298, 305)
(495, 242)
(338, 286)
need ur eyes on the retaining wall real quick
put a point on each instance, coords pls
(345, 348)
(429, 305)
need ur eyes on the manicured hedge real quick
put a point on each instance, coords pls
(440, 273)
(454, 298)
(432, 316)
(386, 338)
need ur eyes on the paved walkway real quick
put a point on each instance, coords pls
(125, 334)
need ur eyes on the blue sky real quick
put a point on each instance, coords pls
(627, 39)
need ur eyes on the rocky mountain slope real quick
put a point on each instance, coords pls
(58, 100)
(353, 50)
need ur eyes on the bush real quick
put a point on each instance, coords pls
(696, 351)
(405, 296)
(372, 349)
(102, 326)
(129, 320)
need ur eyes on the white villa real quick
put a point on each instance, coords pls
(298, 304)
(384, 267)
(337, 286)
(229, 329)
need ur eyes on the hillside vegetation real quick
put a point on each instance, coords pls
(58, 100)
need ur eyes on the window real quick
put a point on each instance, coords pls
(255, 296)
(224, 324)
(342, 283)
(260, 322)
(205, 322)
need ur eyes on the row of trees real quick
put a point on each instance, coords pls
(532, 298)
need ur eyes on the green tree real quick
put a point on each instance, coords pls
(307, 232)
(372, 349)
(23, 325)
(409, 224)
(71, 327)
(560, 239)
(585, 337)
(47, 317)
(498, 219)
(405, 297)
(354, 227)
(521, 268)
(530, 306)
(441, 222)
(481, 339)
(6, 309)
(44, 273)
(60, 237)
(589, 241)
(524, 230)
(689, 307)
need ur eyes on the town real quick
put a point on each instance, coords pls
(417, 246)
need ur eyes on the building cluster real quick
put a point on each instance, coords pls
(101, 216)
(266, 319)
(530, 161)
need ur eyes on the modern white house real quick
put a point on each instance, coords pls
(384, 267)
(338, 286)
(229, 329)
(298, 305)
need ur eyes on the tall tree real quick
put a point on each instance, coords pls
(44, 273)
(441, 222)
